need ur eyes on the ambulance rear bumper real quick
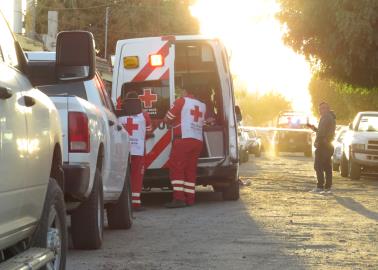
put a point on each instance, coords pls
(219, 176)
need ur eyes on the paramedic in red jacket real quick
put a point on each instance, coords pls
(187, 116)
(138, 127)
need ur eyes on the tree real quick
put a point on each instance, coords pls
(127, 18)
(339, 37)
(259, 109)
(345, 101)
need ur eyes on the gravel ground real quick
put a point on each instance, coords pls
(277, 224)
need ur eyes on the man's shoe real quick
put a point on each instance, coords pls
(176, 204)
(316, 190)
(326, 191)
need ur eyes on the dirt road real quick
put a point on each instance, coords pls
(277, 224)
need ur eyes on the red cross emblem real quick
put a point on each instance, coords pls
(130, 126)
(148, 98)
(196, 113)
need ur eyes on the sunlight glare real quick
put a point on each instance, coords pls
(259, 58)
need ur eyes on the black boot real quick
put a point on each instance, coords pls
(175, 204)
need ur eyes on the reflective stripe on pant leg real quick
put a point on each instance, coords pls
(135, 199)
(177, 161)
(191, 170)
(137, 173)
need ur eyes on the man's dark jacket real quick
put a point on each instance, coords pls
(326, 130)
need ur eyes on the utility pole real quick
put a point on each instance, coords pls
(31, 22)
(106, 32)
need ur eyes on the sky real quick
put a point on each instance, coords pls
(259, 59)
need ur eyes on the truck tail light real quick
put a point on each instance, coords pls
(78, 133)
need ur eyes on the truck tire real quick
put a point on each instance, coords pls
(51, 232)
(335, 167)
(344, 170)
(354, 170)
(231, 193)
(258, 152)
(120, 214)
(308, 152)
(87, 222)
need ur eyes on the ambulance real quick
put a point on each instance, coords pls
(157, 68)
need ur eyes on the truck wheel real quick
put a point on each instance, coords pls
(120, 214)
(87, 222)
(308, 152)
(335, 167)
(344, 166)
(258, 152)
(231, 193)
(354, 170)
(52, 230)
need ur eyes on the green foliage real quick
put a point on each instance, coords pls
(345, 100)
(259, 110)
(340, 37)
(127, 18)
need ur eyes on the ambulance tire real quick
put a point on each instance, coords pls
(87, 222)
(120, 214)
(231, 193)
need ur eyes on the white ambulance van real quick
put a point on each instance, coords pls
(157, 68)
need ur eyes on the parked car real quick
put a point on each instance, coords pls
(338, 145)
(292, 134)
(95, 156)
(254, 142)
(360, 146)
(32, 210)
(243, 140)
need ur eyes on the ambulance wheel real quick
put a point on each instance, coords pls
(87, 222)
(231, 193)
(120, 214)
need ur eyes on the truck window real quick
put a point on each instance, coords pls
(8, 49)
(153, 94)
(368, 123)
(70, 89)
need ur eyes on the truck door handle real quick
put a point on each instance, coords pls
(119, 127)
(29, 101)
(5, 93)
(111, 123)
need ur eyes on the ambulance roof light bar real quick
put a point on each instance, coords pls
(156, 60)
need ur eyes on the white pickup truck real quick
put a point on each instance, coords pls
(360, 146)
(95, 157)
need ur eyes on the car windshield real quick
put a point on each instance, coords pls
(292, 121)
(368, 123)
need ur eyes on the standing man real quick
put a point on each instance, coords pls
(187, 116)
(325, 134)
(138, 126)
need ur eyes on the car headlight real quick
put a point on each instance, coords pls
(358, 146)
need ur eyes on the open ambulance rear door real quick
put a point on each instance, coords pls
(146, 66)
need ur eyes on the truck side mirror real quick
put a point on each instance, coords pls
(75, 56)
(238, 113)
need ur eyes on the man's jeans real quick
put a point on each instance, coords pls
(323, 166)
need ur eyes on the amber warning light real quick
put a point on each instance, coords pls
(130, 62)
(156, 60)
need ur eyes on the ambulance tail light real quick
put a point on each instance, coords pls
(156, 60)
(78, 133)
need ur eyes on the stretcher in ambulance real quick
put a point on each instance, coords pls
(156, 69)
